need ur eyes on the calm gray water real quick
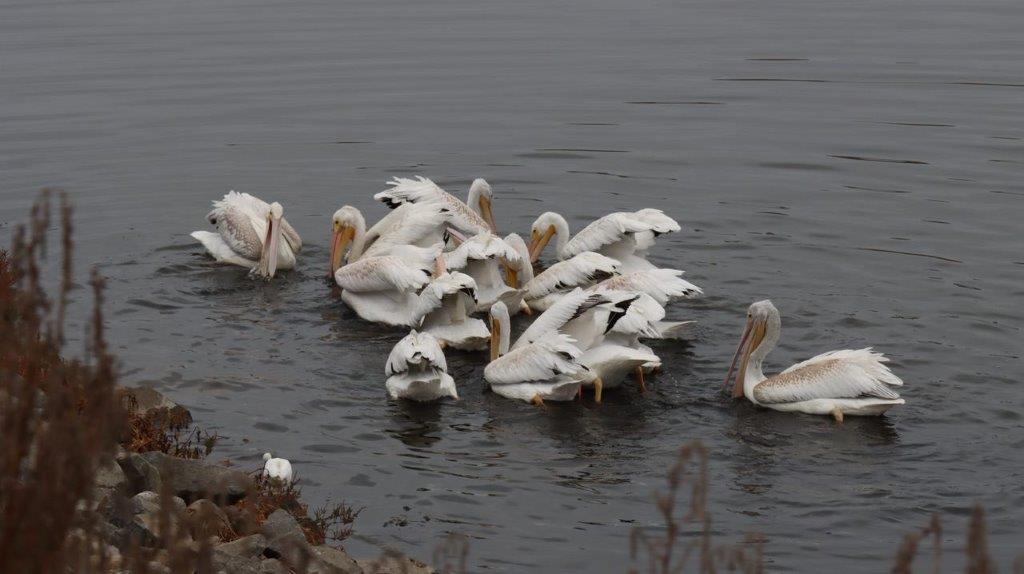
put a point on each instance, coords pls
(859, 163)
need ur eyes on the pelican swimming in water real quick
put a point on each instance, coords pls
(420, 224)
(249, 234)
(450, 298)
(543, 290)
(546, 369)
(623, 236)
(417, 370)
(486, 258)
(472, 217)
(606, 328)
(836, 383)
(386, 288)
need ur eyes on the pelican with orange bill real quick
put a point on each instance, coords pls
(837, 383)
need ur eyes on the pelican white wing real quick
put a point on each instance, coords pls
(421, 224)
(383, 273)
(547, 359)
(846, 374)
(658, 222)
(482, 257)
(663, 285)
(604, 232)
(572, 305)
(481, 246)
(385, 289)
(417, 369)
(579, 271)
(404, 190)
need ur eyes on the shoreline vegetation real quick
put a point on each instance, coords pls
(98, 478)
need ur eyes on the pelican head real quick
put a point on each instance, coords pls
(500, 330)
(521, 271)
(762, 321)
(345, 223)
(267, 265)
(266, 456)
(543, 229)
(480, 199)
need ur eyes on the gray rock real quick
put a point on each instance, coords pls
(194, 479)
(207, 520)
(149, 502)
(108, 484)
(144, 400)
(229, 564)
(110, 476)
(144, 524)
(335, 561)
(394, 564)
(272, 566)
(251, 546)
(243, 520)
(285, 539)
(140, 474)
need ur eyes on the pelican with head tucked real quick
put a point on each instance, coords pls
(472, 217)
(623, 236)
(447, 302)
(387, 288)
(606, 328)
(486, 258)
(417, 370)
(250, 233)
(837, 383)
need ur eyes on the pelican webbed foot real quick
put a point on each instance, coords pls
(837, 414)
(640, 379)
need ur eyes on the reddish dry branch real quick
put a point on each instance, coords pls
(59, 418)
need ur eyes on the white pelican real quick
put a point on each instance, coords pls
(417, 370)
(545, 370)
(447, 302)
(385, 289)
(277, 468)
(249, 232)
(836, 383)
(541, 291)
(476, 217)
(606, 327)
(642, 320)
(485, 257)
(420, 224)
(623, 236)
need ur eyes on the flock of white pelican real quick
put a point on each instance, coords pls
(436, 265)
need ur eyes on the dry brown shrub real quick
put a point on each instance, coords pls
(329, 522)
(168, 431)
(685, 540)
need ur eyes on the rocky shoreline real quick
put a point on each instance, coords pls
(149, 501)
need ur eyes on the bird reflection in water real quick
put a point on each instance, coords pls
(416, 424)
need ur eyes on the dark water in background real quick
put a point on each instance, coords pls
(858, 163)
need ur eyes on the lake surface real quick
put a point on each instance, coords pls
(858, 163)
